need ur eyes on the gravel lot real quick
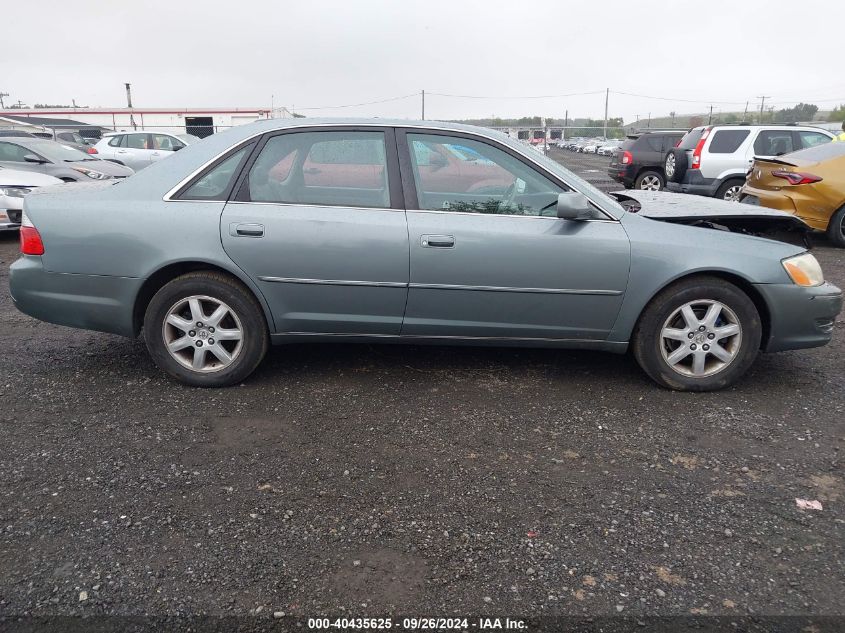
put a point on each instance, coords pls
(369, 480)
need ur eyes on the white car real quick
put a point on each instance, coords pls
(139, 149)
(14, 185)
(592, 148)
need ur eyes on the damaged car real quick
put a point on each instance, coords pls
(292, 230)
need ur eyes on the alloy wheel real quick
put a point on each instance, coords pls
(732, 193)
(650, 183)
(202, 333)
(701, 338)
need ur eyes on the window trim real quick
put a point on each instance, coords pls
(396, 130)
(240, 193)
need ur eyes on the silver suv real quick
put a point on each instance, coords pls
(713, 160)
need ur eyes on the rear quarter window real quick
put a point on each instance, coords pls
(691, 138)
(727, 141)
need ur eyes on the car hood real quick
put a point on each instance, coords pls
(103, 166)
(682, 208)
(20, 178)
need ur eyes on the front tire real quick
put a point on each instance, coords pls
(206, 330)
(836, 228)
(700, 334)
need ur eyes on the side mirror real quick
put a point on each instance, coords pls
(32, 158)
(574, 206)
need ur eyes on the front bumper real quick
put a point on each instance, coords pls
(800, 317)
(10, 213)
(91, 302)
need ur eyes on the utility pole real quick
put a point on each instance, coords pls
(710, 118)
(648, 125)
(565, 123)
(606, 99)
(762, 103)
(422, 94)
(673, 118)
(745, 113)
(129, 105)
(3, 94)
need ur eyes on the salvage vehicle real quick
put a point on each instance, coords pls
(809, 183)
(214, 254)
(14, 185)
(57, 160)
(713, 160)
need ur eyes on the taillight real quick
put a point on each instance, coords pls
(31, 243)
(93, 150)
(796, 177)
(696, 154)
(627, 158)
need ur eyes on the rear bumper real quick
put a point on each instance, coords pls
(91, 302)
(800, 317)
(792, 201)
(696, 184)
(622, 173)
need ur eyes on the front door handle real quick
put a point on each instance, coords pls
(246, 230)
(438, 241)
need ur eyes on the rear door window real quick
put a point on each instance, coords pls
(774, 143)
(345, 169)
(727, 141)
(137, 141)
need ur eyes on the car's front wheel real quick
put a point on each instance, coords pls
(700, 334)
(206, 330)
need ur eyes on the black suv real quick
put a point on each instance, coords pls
(638, 163)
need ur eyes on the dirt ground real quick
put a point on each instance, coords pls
(432, 481)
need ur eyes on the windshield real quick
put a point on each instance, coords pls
(56, 152)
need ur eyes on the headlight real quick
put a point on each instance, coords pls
(804, 270)
(14, 192)
(96, 175)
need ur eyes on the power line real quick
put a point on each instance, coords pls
(702, 101)
(355, 105)
(572, 94)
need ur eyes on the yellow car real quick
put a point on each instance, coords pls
(809, 183)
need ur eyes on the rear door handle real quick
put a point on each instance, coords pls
(438, 241)
(246, 230)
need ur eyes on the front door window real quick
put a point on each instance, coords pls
(468, 176)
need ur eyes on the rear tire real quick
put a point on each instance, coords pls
(730, 190)
(650, 181)
(836, 228)
(206, 330)
(673, 349)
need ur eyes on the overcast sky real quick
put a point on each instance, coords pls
(313, 53)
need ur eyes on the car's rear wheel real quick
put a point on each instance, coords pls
(836, 228)
(649, 181)
(730, 190)
(206, 330)
(700, 334)
(675, 165)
